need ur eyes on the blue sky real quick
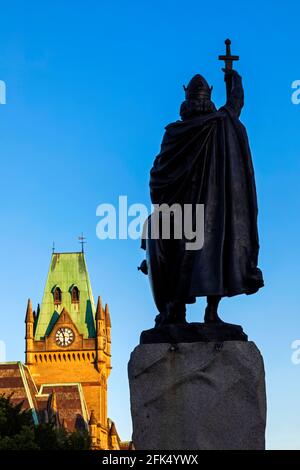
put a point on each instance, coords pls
(90, 87)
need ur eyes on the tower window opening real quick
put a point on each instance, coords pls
(75, 295)
(57, 296)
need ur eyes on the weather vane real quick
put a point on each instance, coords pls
(81, 239)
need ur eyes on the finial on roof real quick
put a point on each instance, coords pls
(93, 419)
(29, 313)
(82, 239)
(38, 311)
(113, 431)
(99, 310)
(107, 316)
(53, 403)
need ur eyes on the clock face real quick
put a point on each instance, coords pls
(64, 337)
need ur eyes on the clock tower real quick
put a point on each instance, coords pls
(68, 341)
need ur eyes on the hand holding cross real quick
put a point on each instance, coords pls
(228, 60)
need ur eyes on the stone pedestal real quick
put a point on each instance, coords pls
(194, 396)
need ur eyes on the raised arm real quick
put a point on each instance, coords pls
(235, 90)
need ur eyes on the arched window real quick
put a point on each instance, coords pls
(57, 296)
(75, 295)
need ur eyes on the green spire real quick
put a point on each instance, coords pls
(67, 271)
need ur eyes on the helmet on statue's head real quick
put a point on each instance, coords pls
(197, 98)
(197, 88)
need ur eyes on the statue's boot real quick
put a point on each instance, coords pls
(211, 316)
(174, 314)
(211, 311)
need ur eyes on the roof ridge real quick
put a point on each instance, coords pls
(28, 393)
(68, 253)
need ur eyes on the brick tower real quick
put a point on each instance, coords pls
(68, 342)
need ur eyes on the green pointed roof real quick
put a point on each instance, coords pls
(66, 271)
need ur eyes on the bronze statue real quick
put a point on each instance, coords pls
(205, 159)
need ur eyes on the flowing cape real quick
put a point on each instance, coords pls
(207, 160)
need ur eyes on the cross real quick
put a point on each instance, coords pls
(82, 241)
(53, 248)
(228, 58)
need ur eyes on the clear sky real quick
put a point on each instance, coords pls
(90, 86)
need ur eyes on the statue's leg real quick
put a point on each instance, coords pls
(163, 264)
(175, 313)
(158, 276)
(211, 311)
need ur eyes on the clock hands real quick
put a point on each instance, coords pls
(64, 336)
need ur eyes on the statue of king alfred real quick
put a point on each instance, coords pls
(205, 159)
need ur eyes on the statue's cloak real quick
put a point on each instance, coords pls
(207, 160)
